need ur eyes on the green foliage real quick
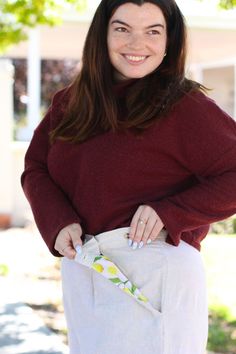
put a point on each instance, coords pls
(219, 312)
(16, 16)
(3, 270)
(219, 259)
(227, 226)
(227, 4)
(221, 330)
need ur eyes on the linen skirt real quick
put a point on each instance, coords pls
(103, 319)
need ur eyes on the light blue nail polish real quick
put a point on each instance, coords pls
(140, 244)
(149, 241)
(78, 249)
(130, 242)
(135, 245)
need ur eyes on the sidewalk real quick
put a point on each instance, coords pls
(22, 330)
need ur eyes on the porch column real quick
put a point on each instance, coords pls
(33, 86)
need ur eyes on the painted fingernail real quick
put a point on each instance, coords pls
(149, 241)
(135, 245)
(140, 244)
(130, 242)
(78, 249)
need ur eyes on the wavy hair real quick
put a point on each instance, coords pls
(93, 107)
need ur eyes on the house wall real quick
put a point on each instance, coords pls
(210, 45)
(221, 82)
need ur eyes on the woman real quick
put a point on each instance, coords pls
(133, 147)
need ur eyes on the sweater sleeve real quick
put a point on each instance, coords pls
(50, 206)
(207, 137)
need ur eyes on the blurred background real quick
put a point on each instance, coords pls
(41, 43)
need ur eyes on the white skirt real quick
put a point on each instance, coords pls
(103, 319)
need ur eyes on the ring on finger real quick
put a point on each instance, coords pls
(142, 222)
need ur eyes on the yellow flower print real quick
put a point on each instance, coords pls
(98, 267)
(127, 290)
(112, 270)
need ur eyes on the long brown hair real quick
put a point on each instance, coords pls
(93, 106)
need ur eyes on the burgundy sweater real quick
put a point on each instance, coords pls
(184, 167)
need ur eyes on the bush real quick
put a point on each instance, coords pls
(227, 226)
(222, 329)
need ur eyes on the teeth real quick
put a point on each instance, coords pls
(135, 58)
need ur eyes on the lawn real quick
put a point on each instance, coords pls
(219, 253)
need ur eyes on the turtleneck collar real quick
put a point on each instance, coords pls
(121, 86)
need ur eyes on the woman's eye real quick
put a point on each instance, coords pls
(121, 29)
(155, 32)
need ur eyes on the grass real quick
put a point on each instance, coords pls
(222, 330)
(220, 261)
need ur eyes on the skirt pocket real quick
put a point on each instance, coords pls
(123, 325)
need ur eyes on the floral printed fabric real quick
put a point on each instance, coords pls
(92, 258)
(109, 270)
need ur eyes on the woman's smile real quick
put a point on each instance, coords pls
(135, 59)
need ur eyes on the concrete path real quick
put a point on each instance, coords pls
(22, 331)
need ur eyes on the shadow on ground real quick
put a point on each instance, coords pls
(23, 332)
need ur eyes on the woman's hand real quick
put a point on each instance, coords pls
(145, 227)
(68, 239)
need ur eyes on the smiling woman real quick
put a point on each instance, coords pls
(137, 40)
(127, 170)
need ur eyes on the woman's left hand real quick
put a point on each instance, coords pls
(145, 226)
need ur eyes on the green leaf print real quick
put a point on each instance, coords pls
(142, 298)
(133, 289)
(115, 280)
(97, 258)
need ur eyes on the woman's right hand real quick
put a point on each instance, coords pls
(68, 239)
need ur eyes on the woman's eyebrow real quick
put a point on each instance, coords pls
(127, 25)
(156, 25)
(120, 22)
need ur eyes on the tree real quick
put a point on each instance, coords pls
(227, 4)
(17, 16)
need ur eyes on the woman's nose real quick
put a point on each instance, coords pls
(136, 42)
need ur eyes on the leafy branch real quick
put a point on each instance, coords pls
(227, 4)
(17, 16)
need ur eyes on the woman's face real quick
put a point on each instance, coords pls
(137, 37)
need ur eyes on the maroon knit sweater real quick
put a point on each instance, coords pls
(184, 167)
